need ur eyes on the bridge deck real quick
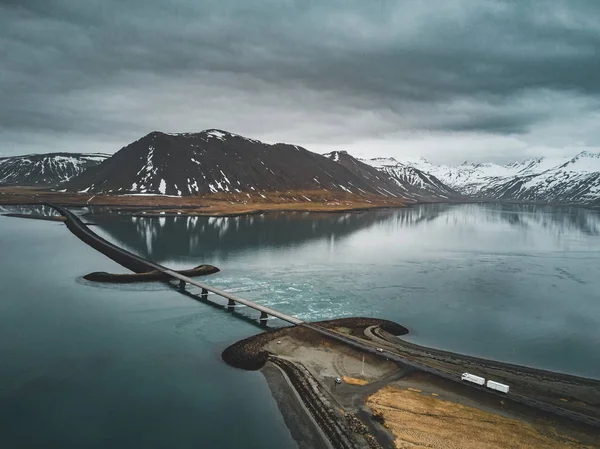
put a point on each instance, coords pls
(238, 299)
(135, 261)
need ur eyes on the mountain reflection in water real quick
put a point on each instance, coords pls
(161, 237)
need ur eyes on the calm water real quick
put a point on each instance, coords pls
(139, 366)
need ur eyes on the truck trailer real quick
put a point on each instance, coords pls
(498, 386)
(473, 378)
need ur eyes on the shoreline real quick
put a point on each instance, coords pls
(159, 211)
(219, 205)
(193, 211)
(236, 204)
(319, 361)
(304, 429)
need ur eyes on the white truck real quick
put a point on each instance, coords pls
(498, 386)
(473, 378)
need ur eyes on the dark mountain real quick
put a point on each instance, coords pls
(45, 169)
(215, 161)
(398, 180)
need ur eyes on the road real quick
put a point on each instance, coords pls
(140, 264)
(366, 346)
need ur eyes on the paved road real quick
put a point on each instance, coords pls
(141, 264)
(366, 346)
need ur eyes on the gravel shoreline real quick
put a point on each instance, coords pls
(297, 392)
(249, 353)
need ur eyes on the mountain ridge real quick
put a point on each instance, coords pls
(568, 180)
(215, 161)
(408, 182)
(47, 169)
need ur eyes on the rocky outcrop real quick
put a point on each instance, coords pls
(151, 276)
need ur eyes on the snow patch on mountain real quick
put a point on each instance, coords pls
(215, 161)
(45, 169)
(396, 179)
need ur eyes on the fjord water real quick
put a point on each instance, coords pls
(87, 365)
(116, 367)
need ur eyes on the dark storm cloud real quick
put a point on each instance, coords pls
(509, 124)
(104, 71)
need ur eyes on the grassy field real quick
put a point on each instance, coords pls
(214, 204)
(419, 420)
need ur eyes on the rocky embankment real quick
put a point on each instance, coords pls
(249, 354)
(338, 431)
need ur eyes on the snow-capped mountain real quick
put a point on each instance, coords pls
(45, 169)
(575, 181)
(406, 182)
(420, 185)
(215, 161)
(552, 180)
(467, 178)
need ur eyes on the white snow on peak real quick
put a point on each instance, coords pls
(537, 165)
(209, 134)
(469, 178)
(585, 162)
(378, 162)
(218, 134)
(335, 155)
(563, 180)
(221, 135)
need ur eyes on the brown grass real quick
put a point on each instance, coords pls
(422, 421)
(215, 204)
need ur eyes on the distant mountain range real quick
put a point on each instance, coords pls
(45, 169)
(560, 180)
(215, 161)
(403, 181)
(219, 162)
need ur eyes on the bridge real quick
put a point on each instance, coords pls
(139, 265)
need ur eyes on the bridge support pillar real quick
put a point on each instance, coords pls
(230, 305)
(181, 285)
(263, 316)
(204, 293)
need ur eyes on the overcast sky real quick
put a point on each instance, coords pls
(450, 80)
